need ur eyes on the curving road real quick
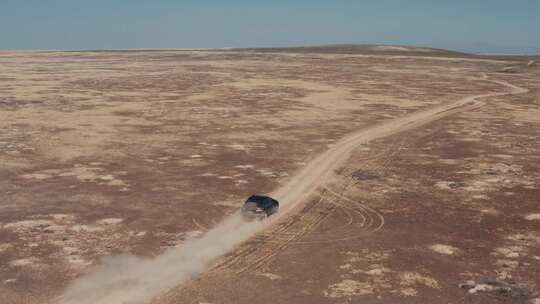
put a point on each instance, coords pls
(319, 169)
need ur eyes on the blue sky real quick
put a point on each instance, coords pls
(471, 25)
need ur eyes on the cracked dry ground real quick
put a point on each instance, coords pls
(105, 153)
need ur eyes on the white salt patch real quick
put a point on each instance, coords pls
(489, 211)
(23, 262)
(61, 216)
(348, 288)
(207, 174)
(271, 276)
(40, 176)
(479, 196)
(449, 161)
(237, 147)
(110, 221)
(117, 183)
(243, 167)
(70, 250)
(446, 185)
(77, 260)
(4, 247)
(266, 172)
(346, 266)
(409, 292)
(27, 224)
(533, 217)
(414, 278)
(378, 271)
(511, 252)
(481, 287)
(444, 249)
(85, 228)
(504, 156)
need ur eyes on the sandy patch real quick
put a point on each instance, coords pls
(62, 217)
(505, 168)
(85, 228)
(511, 252)
(489, 211)
(54, 229)
(76, 260)
(110, 221)
(449, 161)
(477, 186)
(80, 172)
(28, 224)
(40, 176)
(414, 278)
(271, 276)
(533, 217)
(190, 235)
(207, 174)
(241, 182)
(348, 288)
(530, 238)
(507, 264)
(444, 249)
(238, 147)
(448, 185)
(117, 183)
(267, 172)
(243, 167)
(5, 247)
(346, 266)
(377, 270)
(408, 292)
(23, 262)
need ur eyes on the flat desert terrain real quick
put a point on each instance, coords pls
(406, 176)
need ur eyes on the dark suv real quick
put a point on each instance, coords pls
(259, 207)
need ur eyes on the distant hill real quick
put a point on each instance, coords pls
(360, 49)
(396, 50)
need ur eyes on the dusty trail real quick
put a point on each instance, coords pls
(320, 168)
(131, 280)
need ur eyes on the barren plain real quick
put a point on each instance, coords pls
(105, 153)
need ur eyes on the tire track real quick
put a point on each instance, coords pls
(252, 248)
(270, 244)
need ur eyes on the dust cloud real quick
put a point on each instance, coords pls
(127, 279)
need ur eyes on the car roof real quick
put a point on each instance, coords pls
(261, 199)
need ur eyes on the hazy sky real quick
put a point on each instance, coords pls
(474, 25)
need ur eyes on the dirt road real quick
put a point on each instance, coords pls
(127, 279)
(318, 170)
